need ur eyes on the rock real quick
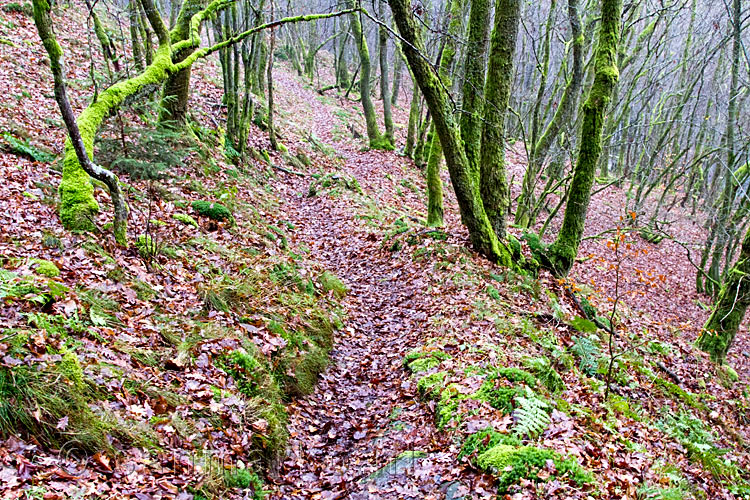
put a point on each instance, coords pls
(454, 490)
(396, 467)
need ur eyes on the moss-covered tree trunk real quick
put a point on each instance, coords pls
(564, 112)
(373, 133)
(136, 44)
(77, 202)
(385, 88)
(176, 89)
(342, 71)
(493, 181)
(78, 148)
(563, 251)
(473, 83)
(447, 58)
(467, 191)
(398, 71)
(414, 115)
(730, 307)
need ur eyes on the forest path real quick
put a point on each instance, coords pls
(363, 413)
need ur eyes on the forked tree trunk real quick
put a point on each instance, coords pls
(467, 192)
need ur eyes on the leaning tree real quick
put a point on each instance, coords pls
(176, 52)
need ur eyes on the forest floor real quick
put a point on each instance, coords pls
(195, 354)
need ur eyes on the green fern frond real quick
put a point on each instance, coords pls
(588, 353)
(531, 415)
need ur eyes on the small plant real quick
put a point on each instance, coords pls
(245, 479)
(144, 152)
(23, 148)
(588, 353)
(531, 416)
(544, 371)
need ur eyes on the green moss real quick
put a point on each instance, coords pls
(245, 479)
(214, 211)
(500, 398)
(46, 268)
(420, 360)
(330, 282)
(146, 247)
(514, 374)
(479, 442)
(513, 463)
(447, 407)
(430, 386)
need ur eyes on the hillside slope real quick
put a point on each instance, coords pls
(185, 366)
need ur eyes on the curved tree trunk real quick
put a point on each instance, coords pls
(730, 307)
(563, 251)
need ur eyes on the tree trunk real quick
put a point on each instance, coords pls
(563, 251)
(467, 193)
(385, 89)
(729, 310)
(434, 183)
(493, 181)
(176, 89)
(373, 134)
(473, 84)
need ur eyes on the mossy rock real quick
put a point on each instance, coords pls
(511, 464)
(430, 386)
(421, 360)
(185, 219)
(331, 283)
(212, 210)
(46, 268)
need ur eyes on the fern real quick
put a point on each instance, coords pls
(589, 354)
(531, 415)
(546, 373)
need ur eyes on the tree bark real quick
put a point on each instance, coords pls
(730, 307)
(493, 181)
(474, 81)
(563, 251)
(467, 193)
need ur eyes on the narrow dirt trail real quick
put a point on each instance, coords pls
(363, 413)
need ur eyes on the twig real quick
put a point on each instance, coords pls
(288, 171)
